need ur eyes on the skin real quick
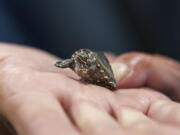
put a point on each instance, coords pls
(35, 98)
(155, 71)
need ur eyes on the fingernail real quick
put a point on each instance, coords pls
(120, 71)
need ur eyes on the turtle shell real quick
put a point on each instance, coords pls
(94, 68)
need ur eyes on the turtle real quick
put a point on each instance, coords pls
(92, 67)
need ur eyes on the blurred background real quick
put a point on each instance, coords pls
(63, 26)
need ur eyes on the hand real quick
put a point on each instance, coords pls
(39, 99)
(138, 112)
(154, 71)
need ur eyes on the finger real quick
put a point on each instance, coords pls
(94, 121)
(38, 114)
(133, 106)
(139, 99)
(136, 121)
(111, 56)
(120, 71)
(154, 71)
(165, 111)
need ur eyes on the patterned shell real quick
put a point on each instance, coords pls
(92, 67)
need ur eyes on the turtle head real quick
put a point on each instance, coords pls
(84, 58)
(68, 63)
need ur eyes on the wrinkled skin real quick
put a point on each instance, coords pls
(39, 99)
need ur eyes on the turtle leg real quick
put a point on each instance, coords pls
(86, 81)
(83, 80)
(68, 63)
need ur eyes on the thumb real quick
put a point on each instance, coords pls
(157, 72)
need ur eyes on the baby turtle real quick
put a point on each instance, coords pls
(92, 67)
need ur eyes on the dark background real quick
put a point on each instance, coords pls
(63, 26)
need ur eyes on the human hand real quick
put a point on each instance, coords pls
(154, 71)
(137, 112)
(35, 101)
(39, 99)
(142, 111)
(35, 95)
